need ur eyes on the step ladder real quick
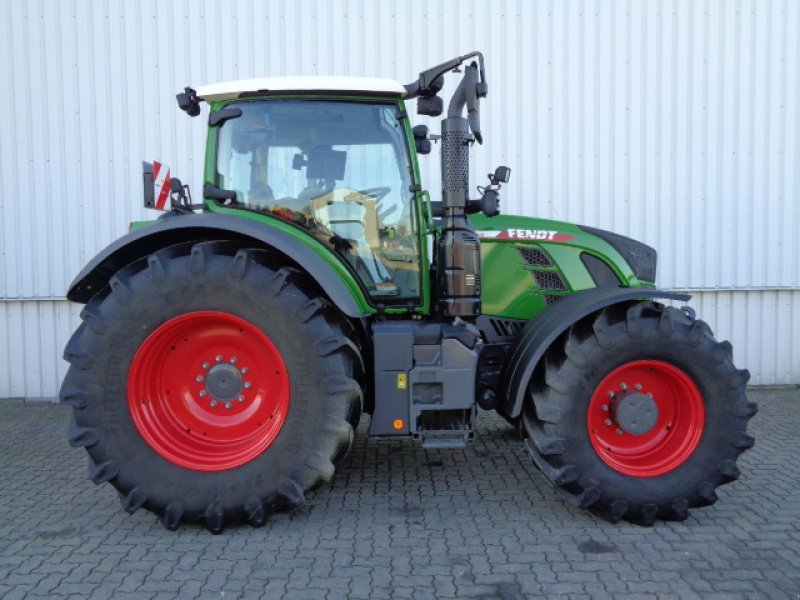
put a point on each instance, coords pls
(439, 429)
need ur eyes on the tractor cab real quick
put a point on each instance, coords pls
(336, 157)
(332, 159)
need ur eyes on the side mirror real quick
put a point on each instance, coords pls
(422, 139)
(431, 107)
(421, 132)
(501, 175)
(490, 203)
(188, 102)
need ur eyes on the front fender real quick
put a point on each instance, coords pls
(311, 255)
(540, 332)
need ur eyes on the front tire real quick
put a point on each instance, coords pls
(637, 413)
(209, 387)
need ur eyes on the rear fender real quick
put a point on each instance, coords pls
(321, 265)
(540, 332)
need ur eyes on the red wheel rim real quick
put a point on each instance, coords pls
(676, 430)
(208, 391)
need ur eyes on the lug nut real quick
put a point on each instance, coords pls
(619, 431)
(638, 387)
(203, 393)
(213, 403)
(608, 421)
(247, 385)
(605, 407)
(623, 386)
(218, 358)
(233, 360)
(244, 371)
(241, 398)
(228, 405)
(199, 379)
(206, 366)
(610, 394)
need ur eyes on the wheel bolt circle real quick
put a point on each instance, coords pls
(188, 427)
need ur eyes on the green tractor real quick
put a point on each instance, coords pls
(225, 357)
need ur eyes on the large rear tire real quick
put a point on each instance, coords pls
(637, 413)
(209, 387)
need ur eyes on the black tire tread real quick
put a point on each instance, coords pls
(343, 393)
(544, 412)
(132, 501)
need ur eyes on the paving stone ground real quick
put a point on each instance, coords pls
(400, 522)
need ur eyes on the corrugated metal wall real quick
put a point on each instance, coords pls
(675, 122)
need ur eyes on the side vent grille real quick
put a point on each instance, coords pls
(549, 280)
(506, 327)
(534, 256)
(550, 298)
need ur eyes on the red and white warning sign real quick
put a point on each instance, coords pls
(160, 184)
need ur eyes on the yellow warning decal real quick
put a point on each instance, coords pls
(402, 381)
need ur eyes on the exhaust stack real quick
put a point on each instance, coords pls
(458, 251)
(458, 261)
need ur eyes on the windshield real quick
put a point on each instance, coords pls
(338, 169)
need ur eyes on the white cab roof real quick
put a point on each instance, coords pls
(233, 89)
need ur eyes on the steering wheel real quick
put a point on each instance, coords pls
(377, 192)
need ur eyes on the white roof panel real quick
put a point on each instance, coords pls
(233, 89)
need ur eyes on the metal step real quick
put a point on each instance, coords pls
(446, 430)
(445, 439)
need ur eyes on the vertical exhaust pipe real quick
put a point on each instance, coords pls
(458, 251)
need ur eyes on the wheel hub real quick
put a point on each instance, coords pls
(645, 418)
(224, 382)
(634, 412)
(196, 396)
